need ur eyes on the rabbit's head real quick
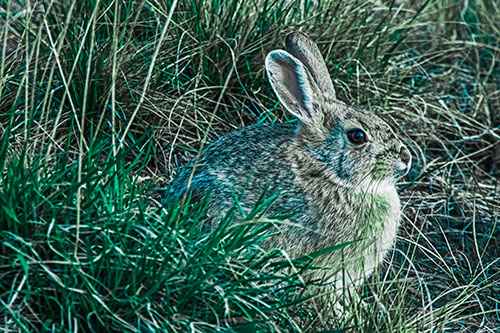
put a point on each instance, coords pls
(357, 148)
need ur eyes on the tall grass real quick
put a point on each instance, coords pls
(101, 101)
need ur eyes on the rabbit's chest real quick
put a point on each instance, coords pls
(372, 223)
(383, 219)
(371, 219)
(380, 222)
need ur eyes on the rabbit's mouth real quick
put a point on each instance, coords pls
(402, 168)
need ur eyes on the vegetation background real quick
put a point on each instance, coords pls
(101, 101)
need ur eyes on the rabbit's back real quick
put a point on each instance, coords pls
(242, 165)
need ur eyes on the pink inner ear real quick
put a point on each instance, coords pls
(291, 80)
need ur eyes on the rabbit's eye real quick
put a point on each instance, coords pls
(357, 136)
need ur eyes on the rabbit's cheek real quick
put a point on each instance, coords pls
(349, 168)
(380, 170)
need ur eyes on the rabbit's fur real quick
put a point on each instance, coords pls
(338, 190)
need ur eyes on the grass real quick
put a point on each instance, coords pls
(102, 101)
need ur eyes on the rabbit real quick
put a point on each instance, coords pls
(335, 169)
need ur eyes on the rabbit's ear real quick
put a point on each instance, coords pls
(304, 49)
(294, 85)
